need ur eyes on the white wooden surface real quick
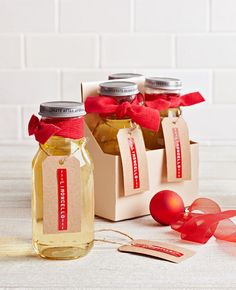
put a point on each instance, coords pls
(213, 266)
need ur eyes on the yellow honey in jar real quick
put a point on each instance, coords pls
(108, 127)
(63, 244)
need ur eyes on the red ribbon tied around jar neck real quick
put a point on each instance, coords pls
(200, 227)
(107, 106)
(72, 128)
(166, 101)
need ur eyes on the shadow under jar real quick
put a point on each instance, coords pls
(64, 244)
(108, 127)
(167, 89)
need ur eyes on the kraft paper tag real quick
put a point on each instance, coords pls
(61, 195)
(163, 251)
(134, 160)
(177, 148)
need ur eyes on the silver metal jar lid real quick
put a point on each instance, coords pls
(118, 88)
(123, 76)
(163, 83)
(62, 109)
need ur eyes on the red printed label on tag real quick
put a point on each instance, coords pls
(178, 153)
(134, 159)
(155, 249)
(62, 199)
(177, 149)
(159, 249)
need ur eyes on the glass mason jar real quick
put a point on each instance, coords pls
(165, 89)
(118, 76)
(108, 127)
(63, 245)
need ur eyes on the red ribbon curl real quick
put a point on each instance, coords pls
(43, 129)
(166, 101)
(107, 106)
(200, 227)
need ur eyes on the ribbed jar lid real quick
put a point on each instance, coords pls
(62, 109)
(118, 88)
(163, 83)
(117, 76)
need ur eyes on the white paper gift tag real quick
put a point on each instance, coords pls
(177, 148)
(61, 195)
(134, 160)
(159, 250)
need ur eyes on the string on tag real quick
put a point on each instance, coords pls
(132, 128)
(173, 116)
(110, 241)
(13, 247)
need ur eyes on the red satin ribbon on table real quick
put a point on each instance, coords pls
(165, 101)
(43, 129)
(200, 227)
(107, 106)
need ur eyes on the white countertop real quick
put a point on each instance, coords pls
(213, 266)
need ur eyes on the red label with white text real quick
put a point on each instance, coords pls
(62, 199)
(156, 249)
(61, 195)
(177, 149)
(134, 159)
(159, 249)
(178, 152)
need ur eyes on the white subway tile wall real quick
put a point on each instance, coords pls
(171, 16)
(95, 16)
(27, 16)
(10, 51)
(47, 47)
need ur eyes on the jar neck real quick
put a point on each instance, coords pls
(165, 93)
(119, 123)
(175, 112)
(122, 99)
(65, 128)
(54, 120)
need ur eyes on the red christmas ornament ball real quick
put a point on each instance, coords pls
(166, 207)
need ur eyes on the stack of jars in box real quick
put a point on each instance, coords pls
(139, 142)
(161, 95)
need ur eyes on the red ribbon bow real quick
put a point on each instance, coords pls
(200, 227)
(108, 106)
(165, 101)
(44, 129)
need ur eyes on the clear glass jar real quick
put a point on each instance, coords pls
(163, 88)
(108, 127)
(63, 245)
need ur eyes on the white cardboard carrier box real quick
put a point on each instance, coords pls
(110, 201)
